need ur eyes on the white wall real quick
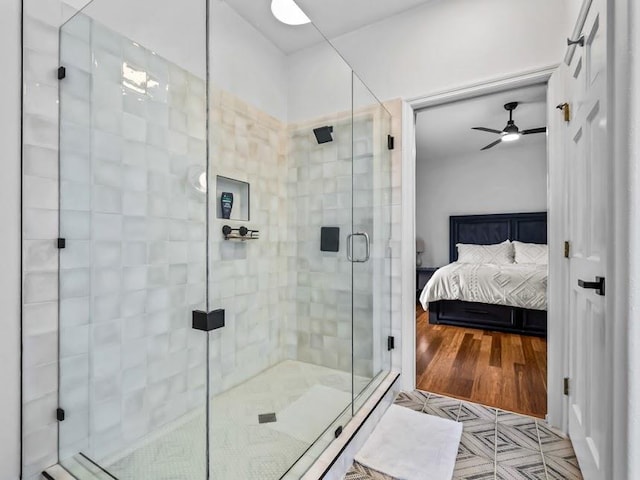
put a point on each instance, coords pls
(10, 240)
(442, 45)
(318, 83)
(505, 180)
(245, 63)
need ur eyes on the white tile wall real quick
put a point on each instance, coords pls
(248, 279)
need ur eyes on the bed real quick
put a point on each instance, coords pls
(502, 297)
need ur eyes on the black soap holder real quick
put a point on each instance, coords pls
(329, 239)
(242, 233)
(208, 321)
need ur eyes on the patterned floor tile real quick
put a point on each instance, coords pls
(527, 462)
(534, 471)
(476, 468)
(471, 413)
(413, 400)
(360, 472)
(443, 407)
(514, 432)
(478, 440)
(554, 442)
(562, 468)
(496, 444)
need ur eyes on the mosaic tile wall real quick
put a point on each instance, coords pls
(132, 131)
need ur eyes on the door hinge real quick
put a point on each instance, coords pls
(566, 111)
(391, 142)
(60, 414)
(391, 342)
(567, 249)
(338, 431)
(62, 243)
(566, 386)
(62, 73)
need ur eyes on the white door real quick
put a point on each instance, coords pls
(587, 173)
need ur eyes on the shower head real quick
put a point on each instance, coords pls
(323, 134)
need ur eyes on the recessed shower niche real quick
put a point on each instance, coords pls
(232, 199)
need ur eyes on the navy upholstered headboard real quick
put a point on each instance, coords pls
(496, 228)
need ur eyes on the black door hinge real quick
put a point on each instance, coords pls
(62, 73)
(566, 386)
(207, 321)
(338, 431)
(62, 243)
(391, 342)
(60, 414)
(390, 142)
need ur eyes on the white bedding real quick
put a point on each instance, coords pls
(515, 285)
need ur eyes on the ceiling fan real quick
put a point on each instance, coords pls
(511, 132)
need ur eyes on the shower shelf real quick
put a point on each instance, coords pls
(241, 233)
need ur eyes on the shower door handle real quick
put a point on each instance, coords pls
(350, 247)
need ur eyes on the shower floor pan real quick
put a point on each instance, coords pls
(259, 429)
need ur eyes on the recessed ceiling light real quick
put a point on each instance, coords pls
(288, 12)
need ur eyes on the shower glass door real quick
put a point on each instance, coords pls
(133, 217)
(369, 247)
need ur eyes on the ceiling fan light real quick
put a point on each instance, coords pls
(510, 137)
(288, 12)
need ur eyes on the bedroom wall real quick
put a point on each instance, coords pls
(507, 180)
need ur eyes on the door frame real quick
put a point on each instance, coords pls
(556, 338)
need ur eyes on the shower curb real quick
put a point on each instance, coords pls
(336, 460)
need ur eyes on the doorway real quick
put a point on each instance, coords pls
(482, 343)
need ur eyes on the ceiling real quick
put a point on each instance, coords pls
(333, 18)
(445, 131)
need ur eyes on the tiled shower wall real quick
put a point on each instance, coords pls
(324, 185)
(132, 132)
(249, 279)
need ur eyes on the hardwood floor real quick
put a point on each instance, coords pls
(501, 370)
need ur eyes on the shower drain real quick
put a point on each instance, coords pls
(267, 418)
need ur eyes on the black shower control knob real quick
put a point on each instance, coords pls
(243, 231)
(226, 230)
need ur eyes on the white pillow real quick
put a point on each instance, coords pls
(498, 254)
(531, 253)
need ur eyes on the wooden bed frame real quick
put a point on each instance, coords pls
(487, 230)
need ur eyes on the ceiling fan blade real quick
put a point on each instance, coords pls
(491, 145)
(534, 130)
(484, 129)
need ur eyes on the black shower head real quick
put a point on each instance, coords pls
(323, 134)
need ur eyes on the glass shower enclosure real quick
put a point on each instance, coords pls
(225, 288)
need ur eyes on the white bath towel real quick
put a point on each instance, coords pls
(409, 445)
